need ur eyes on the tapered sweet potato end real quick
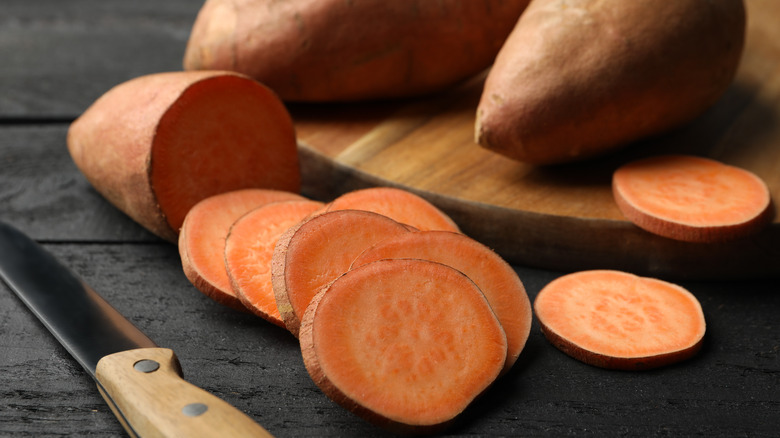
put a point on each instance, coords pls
(110, 143)
(579, 79)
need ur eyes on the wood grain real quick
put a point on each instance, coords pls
(558, 217)
(153, 402)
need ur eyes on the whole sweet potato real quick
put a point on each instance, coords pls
(339, 50)
(580, 77)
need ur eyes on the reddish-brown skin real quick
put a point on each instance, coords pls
(328, 50)
(119, 168)
(577, 78)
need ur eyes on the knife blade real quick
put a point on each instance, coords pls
(141, 382)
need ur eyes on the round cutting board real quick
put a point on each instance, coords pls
(555, 217)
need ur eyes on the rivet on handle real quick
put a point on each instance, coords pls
(146, 366)
(194, 409)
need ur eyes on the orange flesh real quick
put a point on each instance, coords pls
(322, 249)
(494, 277)
(693, 191)
(224, 133)
(410, 340)
(249, 248)
(620, 315)
(403, 206)
(202, 241)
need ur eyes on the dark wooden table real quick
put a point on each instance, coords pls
(56, 57)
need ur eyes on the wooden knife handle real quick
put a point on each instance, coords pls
(145, 390)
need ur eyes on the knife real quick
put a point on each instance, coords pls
(141, 382)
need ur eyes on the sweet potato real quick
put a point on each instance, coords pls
(156, 145)
(497, 280)
(402, 343)
(336, 50)
(614, 319)
(691, 198)
(578, 78)
(313, 253)
(398, 204)
(248, 250)
(203, 234)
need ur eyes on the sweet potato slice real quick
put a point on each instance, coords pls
(613, 319)
(495, 277)
(403, 343)
(248, 250)
(691, 198)
(313, 253)
(156, 145)
(401, 205)
(203, 234)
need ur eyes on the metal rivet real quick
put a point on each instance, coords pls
(146, 366)
(194, 409)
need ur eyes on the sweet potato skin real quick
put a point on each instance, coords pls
(337, 50)
(121, 172)
(579, 78)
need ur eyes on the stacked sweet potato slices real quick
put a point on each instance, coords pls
(401, 318)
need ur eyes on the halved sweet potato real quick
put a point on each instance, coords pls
(156, 145)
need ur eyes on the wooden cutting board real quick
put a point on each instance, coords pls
(559, 217)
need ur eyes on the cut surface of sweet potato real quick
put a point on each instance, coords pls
(203, 234)
(398, 204)
(403, 342)
(313, 253)
(614, 319)
(244, 136)
(692, 198)
(497, 280)
(249, 248)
